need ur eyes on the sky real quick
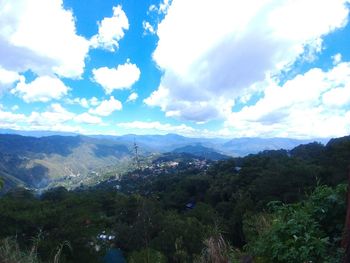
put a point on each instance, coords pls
(199, 68)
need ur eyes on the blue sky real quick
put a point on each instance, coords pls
(202, 68)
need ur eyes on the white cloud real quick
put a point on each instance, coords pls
(94, 101)
(121, 77)
(337, 97)
(83, 102)
(337, 58)
(7, 78)
(111, 30)
(310, 105)
(34, 36)
(10, 120)
(107, 107)
(14, 107)
(132, 97)
(42, 89)
(152, 8)
(184, 107)
(56, 114)
(212, 52)
(162, 8)
(87, 118)
(54, 118)
(157, 127)
(148, 28)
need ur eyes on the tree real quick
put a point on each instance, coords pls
(147, 256)
(308, 231)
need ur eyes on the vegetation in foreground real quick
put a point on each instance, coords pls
(275, 206)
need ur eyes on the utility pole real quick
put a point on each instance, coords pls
(136, 148)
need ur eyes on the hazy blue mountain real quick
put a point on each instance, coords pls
(36, 133)
(37, 160)
(231, 147)
(244, 146)
(201, 151)
(34, 162)
(153, 143)
(169, 142)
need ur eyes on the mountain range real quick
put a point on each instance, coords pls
(37, 161)
(38, 158)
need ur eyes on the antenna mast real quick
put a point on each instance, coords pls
(136, 147)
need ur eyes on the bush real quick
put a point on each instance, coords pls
(308, 231)
(10, 252)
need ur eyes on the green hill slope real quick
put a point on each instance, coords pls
(35, 162)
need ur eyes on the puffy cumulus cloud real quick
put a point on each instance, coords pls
(94, 101)
(57, 118)
(337, 58)
(83, 102)
(111, 30)
(107, 107)
(56, 114)
(132, 97)
(54, 118)
(87, 118)
(11, 120)
(42, 89)
(32, 37)
(211, 52)
(121, 77)
(314, 104)
(337, 97)
(190, 109)
(158, 127)
(7, 78)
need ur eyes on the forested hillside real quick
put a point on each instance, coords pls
(275, 206)
(36, 162)
(57, 160)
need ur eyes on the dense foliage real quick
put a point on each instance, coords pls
(276, 206)
(308, 231)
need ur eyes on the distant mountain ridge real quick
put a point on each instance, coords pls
(170, 142)
(37, 161)
(201, 151)
(244, 146)
(37, 133)
(34, 162)
(231, 147)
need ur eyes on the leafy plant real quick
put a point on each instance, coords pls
(308, 231)
(147, 256)
(10, 252)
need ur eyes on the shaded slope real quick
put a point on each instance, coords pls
(38, 161)
(201, 151)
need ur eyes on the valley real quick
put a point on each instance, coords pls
(42, 162)
(172, 206)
